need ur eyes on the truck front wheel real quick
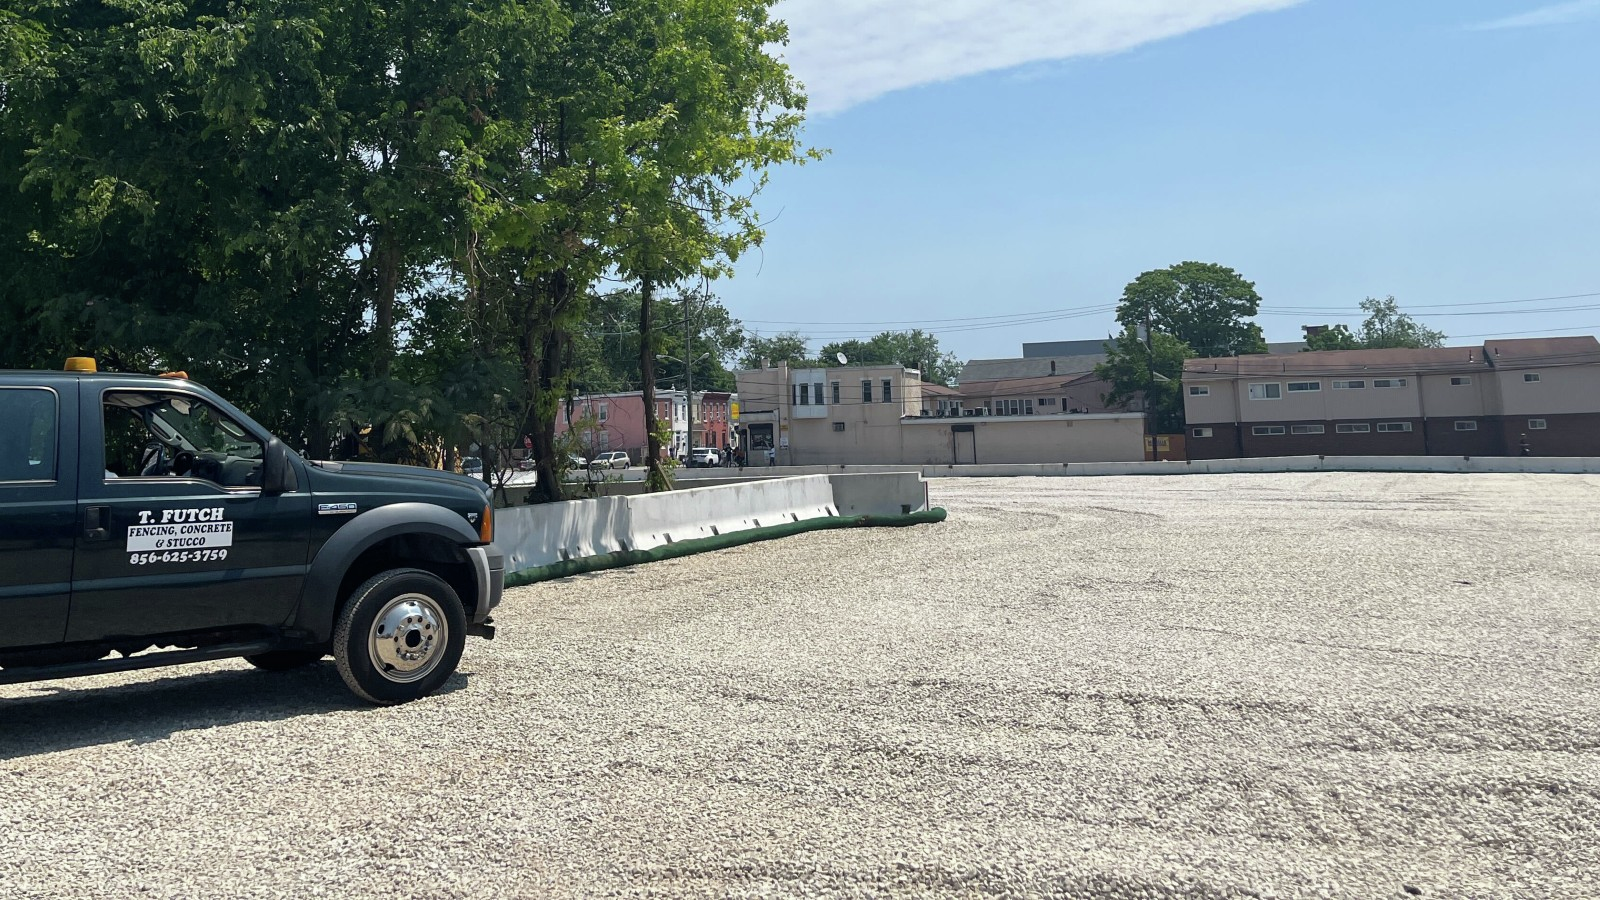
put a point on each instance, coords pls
(400, 636)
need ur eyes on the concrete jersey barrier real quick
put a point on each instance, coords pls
(545, 534)
(658, 519)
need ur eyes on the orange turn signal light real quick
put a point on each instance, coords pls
(80, 364)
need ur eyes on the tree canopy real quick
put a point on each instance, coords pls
(1203, 305)
(914, 349)
(1385, 327)
(1130, 369)
(362, 214)
(789, 346)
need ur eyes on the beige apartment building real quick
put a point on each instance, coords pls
(1495, 399)
(886, 415)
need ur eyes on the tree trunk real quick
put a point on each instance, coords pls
(386, 269)
(545, 347)
(655, 475)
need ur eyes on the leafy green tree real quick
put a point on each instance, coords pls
(1203, 305)
(606, 350)
(1336, 338)
(915, 349)
(1130, 369)
(791, 347)
(377, 226)
(1385, 328)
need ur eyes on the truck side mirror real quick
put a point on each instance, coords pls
(277, 474)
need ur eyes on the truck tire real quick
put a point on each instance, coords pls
(284, 660)
(399, 636)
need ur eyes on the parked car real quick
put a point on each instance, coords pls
(614, 459)
(472, 465)
(706, 456)
(577, 462)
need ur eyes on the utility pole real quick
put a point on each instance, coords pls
(688, 379)
(1150, 384)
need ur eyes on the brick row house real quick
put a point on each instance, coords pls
(1496, 399)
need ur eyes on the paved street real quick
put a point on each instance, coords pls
(1342, 685)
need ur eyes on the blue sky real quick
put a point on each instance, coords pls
(1018, 156)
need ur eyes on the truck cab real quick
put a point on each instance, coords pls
(143, 513)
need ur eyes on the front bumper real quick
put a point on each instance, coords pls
(489, 570)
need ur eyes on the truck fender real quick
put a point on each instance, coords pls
(319, 598)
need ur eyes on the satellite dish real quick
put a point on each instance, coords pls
(841, 359)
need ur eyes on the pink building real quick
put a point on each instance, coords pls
(616, 421)
(712, 425)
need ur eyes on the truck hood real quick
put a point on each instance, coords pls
(412, 473)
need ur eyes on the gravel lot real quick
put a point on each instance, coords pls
(1340, 685)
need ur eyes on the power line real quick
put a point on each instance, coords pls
(1325, 309)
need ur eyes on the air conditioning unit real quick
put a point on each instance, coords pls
(924, 414)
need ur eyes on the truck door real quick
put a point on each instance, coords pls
(38, 482)
(174, 534)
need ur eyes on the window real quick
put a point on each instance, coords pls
(1530, 376)
(866, 390)
(1266, 391)
(1459, 380)
(1047, 401)
(1536, 425)
(1388, 382)
(1394, 426)
(887, 397)
(1027, 406)
(836, 393)
(1466, 425)
(794, 395)
(1353, 428)
(153, 433)
(816, 393)
(1200, 432)
(805, 395)
(1199, 390)
(1013, 408)
(838, 426)
(1349, 385)
(605, 411)
(28, 445)
(1304, 387)
(1306, 429)
(1266, 430)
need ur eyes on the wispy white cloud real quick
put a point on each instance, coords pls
(1554, 14)
(850, 51)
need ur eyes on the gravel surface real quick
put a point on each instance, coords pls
(1346, 685)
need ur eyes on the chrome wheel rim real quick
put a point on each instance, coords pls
(408, 638)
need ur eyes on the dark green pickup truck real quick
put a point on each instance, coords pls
(144, 521)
